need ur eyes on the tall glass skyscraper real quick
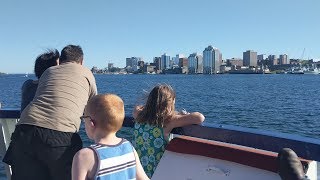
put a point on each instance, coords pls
(165, 62)
(212, 59)
(195, 63)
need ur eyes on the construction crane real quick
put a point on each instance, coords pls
(301, 59)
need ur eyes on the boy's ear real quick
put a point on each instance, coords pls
(92, 123)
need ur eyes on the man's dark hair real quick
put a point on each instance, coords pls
(45, 60)
(71, 53)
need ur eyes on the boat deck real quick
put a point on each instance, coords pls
(193, 158)
(220, 151)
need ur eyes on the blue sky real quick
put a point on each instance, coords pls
(111, 30)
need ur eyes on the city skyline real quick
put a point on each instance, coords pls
(111, 31)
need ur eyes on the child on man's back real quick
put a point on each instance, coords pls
(110, 157)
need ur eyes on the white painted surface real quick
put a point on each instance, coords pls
(7, 127)
(177, 166)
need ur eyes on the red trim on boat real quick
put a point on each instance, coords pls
(234, 153)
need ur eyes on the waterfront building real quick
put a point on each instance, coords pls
(250, 58)
(94, 69)
(273, 59)
(171, 63)
(195, 64)
(165, 62)
(151, 69)
(295, 61)
(283, 59)
(211, 60)
(141, 63)
(176, 59)
(261, 58)
(128, 62)
(183, 64)
(110, 65)
(132, 63)
(234, 62)
(157, 62)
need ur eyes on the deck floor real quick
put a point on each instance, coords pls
(193, 167)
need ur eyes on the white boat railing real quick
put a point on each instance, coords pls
(7, 127)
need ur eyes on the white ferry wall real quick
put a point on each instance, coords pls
(258, 143)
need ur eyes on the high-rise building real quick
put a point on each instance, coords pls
(273, 59)
(165, 62)
(141, 63)
(133, 62)
(128, 62)
(250, 58)
(261, 57)
(212, 59)
(110, 65)
(195, 63)
(176, 59)
(234, 62)
(157, 62)
(283, 59)
(183, 62)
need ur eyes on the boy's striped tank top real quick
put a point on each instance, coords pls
(115, 162)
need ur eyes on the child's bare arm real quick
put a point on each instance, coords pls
(141, 175)
(180, 120)
(136, 111)
(83, 164)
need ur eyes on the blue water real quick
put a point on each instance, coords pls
(282, 103)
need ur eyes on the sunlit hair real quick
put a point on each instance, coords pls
(45, 60)
(159, 106)
(108, 111)
(71, 53)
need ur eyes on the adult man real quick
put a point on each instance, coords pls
(45, 139)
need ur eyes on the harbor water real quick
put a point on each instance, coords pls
(273, 102)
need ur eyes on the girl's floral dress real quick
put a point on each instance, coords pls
(150, 144)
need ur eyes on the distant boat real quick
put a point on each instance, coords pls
(295, 71)
(311, 71)
(245, 71)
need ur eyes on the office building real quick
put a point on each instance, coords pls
(195, 63)
(212, 59)
(273, 60)
(250, 58)
(132, 63)
(283, 59)
(157, 62)
(176, 59)
(165, 62)
(234, 62)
